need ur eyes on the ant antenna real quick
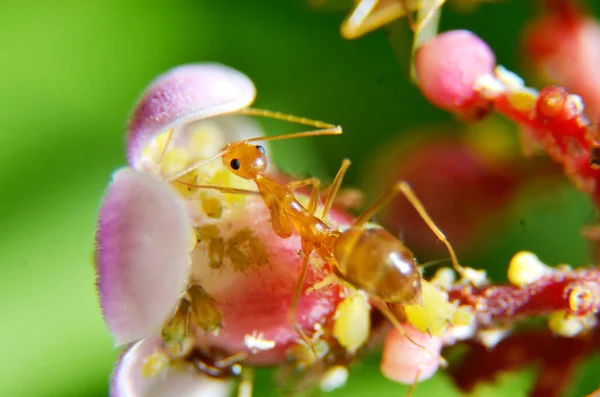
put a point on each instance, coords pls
(336, 130)
(285, 117)
(194, 166)
(325, 129)
(434, 262)
(414, 384)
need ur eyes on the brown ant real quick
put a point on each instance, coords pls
(370, 259)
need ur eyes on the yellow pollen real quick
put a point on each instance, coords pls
(525, 268)
(154, 365)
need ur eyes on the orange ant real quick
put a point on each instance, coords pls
(369, 259)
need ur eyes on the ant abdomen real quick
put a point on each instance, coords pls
(378, 263)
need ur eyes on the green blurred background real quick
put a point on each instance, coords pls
(70, 72)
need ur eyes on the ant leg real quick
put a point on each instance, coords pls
(427, 14)
(366, 17)
(392, 318)
(246, 384)
(404, 188)
(335, 187)
(332, 130)
(164, 151)
(362, 19)
(409, 193)
(222, 189)
(414, 385)
(303, 182)
(231, 360)
(314, 194)
(427, 28)
(293, 312)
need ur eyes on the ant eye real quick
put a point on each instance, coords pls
(260, 149)
(235, 164)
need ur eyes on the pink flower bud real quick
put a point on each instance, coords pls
(405, 362)
(447, 67)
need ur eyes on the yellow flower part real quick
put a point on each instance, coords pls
(435, 313)
(525, 268)
(568, 325)
(352, 321)
(154, 365)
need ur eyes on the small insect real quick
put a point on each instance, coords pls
(370, 259)
(369, 15)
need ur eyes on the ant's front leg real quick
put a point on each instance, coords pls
(292, 313)
(314, 194)
(312, 181)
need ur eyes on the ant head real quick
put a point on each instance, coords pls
(245, 159)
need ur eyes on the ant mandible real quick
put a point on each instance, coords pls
(369, 259)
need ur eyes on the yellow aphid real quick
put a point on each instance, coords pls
(525, 268)
(204, 309)
(154, 365)
(568, 325)
(434, 314)
(352, 321)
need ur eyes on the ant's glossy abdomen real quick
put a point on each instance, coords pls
(378, 263)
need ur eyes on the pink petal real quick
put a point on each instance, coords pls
(184, 94)
(175, 380)
(257, 300)
(402, 359)
(142, 254)
(448, 65)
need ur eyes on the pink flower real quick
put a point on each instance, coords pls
(197, 280)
